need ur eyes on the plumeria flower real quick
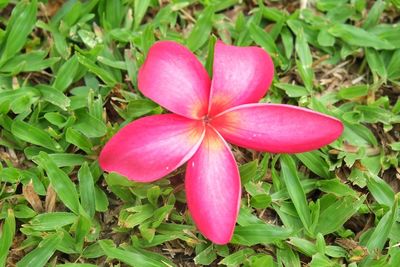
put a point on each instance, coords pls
(205, 115)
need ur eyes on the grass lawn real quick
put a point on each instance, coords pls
(68, 83)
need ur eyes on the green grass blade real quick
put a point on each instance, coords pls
(379, 236)
(359, 37)
(43, 252)
(253, 234)
(210, 55)
(7, 236)
(53, 96)
(380, 190)
(52, 221)
(22, 21)
(61, 183)
(34, 135)
(66, 74)
(295, 190)
(86, 189)
(133, 258)
(201, 31)
(140, 8)
(315, 163)
(342, 209)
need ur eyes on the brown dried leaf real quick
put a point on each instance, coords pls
(33, 198)
(50, 202)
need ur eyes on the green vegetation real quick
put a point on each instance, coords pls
(68, 83)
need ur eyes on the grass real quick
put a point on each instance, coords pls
(68, 83)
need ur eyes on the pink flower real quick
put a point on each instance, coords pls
(205, 114)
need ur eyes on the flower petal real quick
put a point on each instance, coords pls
(241, 75)
(151, 147)
(277, 128)
(174, 78)
(213, 188)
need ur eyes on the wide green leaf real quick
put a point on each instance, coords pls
(34, 135)
(253, 234)
(43, 252)
(380, 190)
(20, 25)
(342, 208)
(200, 33)
(60, 181)
(87, 190)
(7, 236)
(359, 37)
(291, 179)
(136, 258)
(52, 221)
(381, 232)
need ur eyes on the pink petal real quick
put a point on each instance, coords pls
(213, 188)
(277, 128)
(174, 78)
(241, 75)
(150, 148)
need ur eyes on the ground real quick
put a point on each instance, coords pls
(68, 82)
